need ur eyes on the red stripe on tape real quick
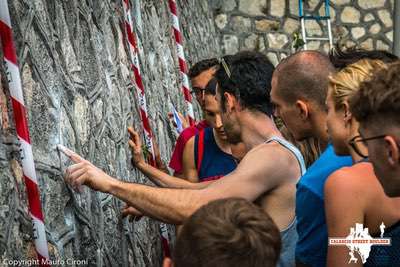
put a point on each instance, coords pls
(182, 65)
(178, 36)
(7, 43)
(20, 120)
(43, 262)
(138, 78)
(172, 6)
(131, 38)
(145, 121)
(33, 198)
(187, 94)
(165, 245)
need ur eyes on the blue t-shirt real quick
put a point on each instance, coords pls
(312, 245)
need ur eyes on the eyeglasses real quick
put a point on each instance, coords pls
(197, 91)
(357, 143)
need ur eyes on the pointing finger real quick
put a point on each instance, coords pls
(71, 154)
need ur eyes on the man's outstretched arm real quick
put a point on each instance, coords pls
(251, 179)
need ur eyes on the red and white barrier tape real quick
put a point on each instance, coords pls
(182, 60)
(133, 53)
(21, 123)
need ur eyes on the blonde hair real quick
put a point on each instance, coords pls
(348, 80)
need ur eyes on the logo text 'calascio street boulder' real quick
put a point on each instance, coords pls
(360, 241)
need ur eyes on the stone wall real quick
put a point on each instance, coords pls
(269, 25)
(78, 92)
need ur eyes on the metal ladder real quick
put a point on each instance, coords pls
(304, 17)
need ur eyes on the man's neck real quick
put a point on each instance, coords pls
(256, 128)
(319, 129)
(222, 143)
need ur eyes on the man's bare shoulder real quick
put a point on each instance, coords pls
(271, 159)
(273, 151)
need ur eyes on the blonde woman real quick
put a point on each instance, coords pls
(353, 194)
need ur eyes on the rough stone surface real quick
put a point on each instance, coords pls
(375, 28)
(389, 35)
(385, 17)
(294, 8)
(265, 25)
(353, 22)
(368, 4)
(291, 25)
(340, 2)
(277, 40)
(357, 32)
(221, 20)
(78, 91)
(240, 24)
(381, 45)
(254, 42)
(277, 8)
(369, 17)
(228, 5)
(313, 28)
(350, 15)
(273, 58)
(367, 44)
(231, 44)
(253, 7)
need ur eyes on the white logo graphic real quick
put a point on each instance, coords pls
(360, 241)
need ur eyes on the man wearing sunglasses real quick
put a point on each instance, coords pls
(200, 74)
(377, 108)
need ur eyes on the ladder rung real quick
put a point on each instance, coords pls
(315, 17)
(317, 38)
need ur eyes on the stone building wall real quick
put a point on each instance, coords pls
(269, 25)
(78, 91)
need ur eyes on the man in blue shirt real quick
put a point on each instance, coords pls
(299, 88)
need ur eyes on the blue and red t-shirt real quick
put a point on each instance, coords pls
(211, 162)
(177, 155)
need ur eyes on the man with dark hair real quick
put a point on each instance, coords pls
(207, 156)
(267, 175)
(376, 106)
(341, 58)
(200, 75)
(227, 233)
(299, 89)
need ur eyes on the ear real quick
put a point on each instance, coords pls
(347, 114)
(167, 262)
(302, 109)
(230, 102)
(393, 153)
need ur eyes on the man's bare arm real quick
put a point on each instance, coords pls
(165, 180)
(157, 176)
(260, 170)
(189, 167)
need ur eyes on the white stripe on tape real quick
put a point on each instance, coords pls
(190, 109)
(175, 22)
(40, 241)
(14, 81)
(180, 51)
(185, 80)
(27, 160)
(4, 14)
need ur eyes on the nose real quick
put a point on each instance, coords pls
(218, 121)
